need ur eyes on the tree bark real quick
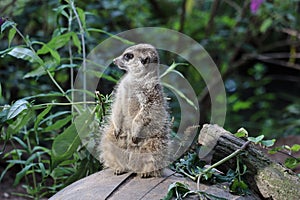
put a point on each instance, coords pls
(265, 177)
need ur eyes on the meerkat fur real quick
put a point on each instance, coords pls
(136, 136)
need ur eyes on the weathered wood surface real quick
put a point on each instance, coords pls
(265, 177)
(106, 185)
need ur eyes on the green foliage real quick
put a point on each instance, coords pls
(181, 191)
(46, 145)
(291, 162)
(192, 167)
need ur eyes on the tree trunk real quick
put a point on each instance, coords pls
(264, 176)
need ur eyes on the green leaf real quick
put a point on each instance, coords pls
(49, 65)
(60, 10)
(10, 165)
(256, 139)
(76, 42)
(171, 68)
(23, 144)
(42, 169)
(64, 145)
(111, 35)
(181, 94)
(292, 163)
(275, 150)
(3, 115)
(56, 43)
(57, 114)
(268, 143)
(265, 25)
(50, 94)
(7, 24)
(22, 173)
(25, 54)
(239, 187)
(80, 171)
(67, 66)
(242, 132)
(35, 73)
(295, 147)
(11, 35)
(21, 121)
(17, 162)
(17, 108)
(177, 188)
(45, 49)
(5, 51)
(241, 105)
(59, 124)
(40, 117)
(81, 15)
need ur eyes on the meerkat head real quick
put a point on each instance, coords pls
(137, 59)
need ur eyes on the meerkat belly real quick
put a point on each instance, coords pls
(133, 106)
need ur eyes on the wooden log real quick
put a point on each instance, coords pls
(265, 177)
(106, 185)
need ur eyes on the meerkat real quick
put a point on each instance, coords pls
(136, 136)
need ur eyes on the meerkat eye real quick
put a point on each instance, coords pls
(128, 56)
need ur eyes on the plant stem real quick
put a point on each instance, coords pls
(71, 58)
(222, 161)
(83, 47)
(228, 157)
(63, 104)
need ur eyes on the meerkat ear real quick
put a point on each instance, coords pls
(145, 60)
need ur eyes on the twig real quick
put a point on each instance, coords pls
(278, 62)
(182, 16)
(221, 162)
(213, 13)
(291, 32)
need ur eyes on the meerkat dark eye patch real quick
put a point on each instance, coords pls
(145, 60)
(128, 56)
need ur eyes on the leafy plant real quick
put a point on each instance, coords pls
(181, 191)
(45, 141)
(291, 162)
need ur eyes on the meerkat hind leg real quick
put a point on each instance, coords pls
(114, 156)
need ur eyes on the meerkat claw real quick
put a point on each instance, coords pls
(135, 140)
(117, 133)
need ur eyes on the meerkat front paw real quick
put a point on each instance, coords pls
(117, 132)
(136, 129)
